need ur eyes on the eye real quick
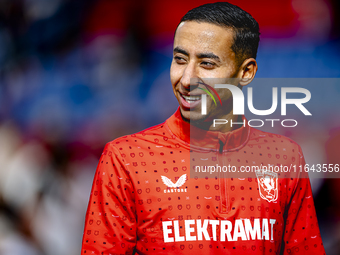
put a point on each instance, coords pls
(207, 64)
(179, 60)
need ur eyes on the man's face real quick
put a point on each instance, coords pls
(202, 51)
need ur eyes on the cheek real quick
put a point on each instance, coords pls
(224, 94)
(175, 74)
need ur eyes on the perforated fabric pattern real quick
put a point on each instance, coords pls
(144, 198)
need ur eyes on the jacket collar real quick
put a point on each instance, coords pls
(200, 138)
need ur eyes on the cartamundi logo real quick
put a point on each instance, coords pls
(174, 187)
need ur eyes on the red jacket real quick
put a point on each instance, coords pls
(152, 194)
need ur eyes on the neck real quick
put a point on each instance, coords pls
(223, 125)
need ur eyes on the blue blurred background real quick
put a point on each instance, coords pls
(75, 74)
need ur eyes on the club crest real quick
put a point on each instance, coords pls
(267, 182)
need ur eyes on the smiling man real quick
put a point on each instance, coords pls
(148, 195)
(203, 53)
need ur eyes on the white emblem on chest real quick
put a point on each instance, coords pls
(267, 182)
(174, 187)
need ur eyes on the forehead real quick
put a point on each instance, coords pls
(202, 37)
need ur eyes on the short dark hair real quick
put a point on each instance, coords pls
(246, 28)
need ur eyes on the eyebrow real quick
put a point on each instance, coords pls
(209, 55)
(180, 50)
(199, 55)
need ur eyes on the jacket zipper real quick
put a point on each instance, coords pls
(223, 181)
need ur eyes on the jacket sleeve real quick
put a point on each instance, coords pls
(302, 234)
(110, 223)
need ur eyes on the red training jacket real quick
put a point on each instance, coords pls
(154, 192)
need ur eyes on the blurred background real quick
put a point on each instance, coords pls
(76, 74)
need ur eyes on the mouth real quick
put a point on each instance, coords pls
(190, 101)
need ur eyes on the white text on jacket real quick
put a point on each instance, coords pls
(222, 230)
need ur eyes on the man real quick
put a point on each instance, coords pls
(148, 195)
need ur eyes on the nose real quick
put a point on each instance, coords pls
(189, 76)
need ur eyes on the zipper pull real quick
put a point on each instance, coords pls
(221, 146)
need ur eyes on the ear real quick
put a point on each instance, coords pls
(247, 72)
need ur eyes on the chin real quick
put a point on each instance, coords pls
(193, 115)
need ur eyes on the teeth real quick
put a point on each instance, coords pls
(191, 98)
